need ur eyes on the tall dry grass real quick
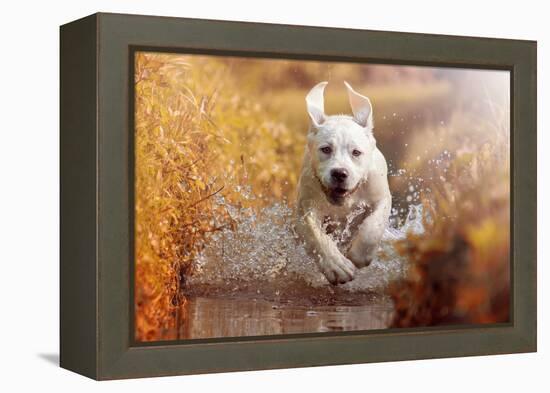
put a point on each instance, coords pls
(198, 137)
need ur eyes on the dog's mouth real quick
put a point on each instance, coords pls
(339, 192)
(337, 195)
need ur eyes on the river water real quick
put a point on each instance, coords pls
(226, 317)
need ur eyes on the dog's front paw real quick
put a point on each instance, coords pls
(337, 269)
(360, 257)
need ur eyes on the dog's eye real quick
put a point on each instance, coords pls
(326, 149)
(356, 153)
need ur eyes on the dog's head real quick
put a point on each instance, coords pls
(341, 147)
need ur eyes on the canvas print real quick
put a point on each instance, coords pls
(284, 196)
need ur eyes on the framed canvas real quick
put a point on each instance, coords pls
(242, 196)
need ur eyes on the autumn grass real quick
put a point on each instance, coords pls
(460, 267)
(196, 139)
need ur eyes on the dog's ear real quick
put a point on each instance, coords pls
(316, 104)
(361, 107)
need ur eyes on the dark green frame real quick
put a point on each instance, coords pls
(97, 190)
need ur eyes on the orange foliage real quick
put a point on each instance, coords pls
(460, 269)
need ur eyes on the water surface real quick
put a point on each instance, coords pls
(233, 317)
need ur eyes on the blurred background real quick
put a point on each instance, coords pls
(210, 127)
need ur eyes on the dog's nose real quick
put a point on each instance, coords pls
(339, 175)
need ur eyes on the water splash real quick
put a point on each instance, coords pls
(263, 257)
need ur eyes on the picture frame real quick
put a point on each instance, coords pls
(96, 194)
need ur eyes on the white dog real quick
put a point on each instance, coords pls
(343, 188)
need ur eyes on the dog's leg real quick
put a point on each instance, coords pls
(365, 243)
(335, 266)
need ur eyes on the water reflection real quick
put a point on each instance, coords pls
(222, 317)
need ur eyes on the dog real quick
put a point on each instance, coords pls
(343, 188)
